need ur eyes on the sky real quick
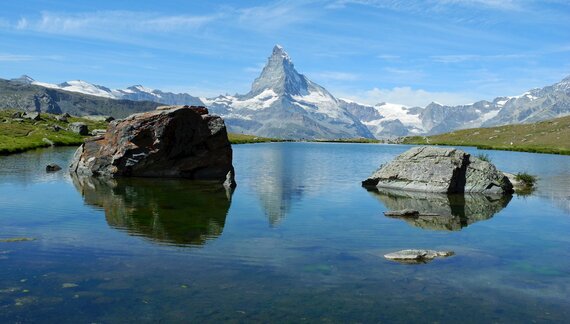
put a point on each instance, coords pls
(406, 52)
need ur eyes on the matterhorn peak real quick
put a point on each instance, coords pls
(279, 75)
(279, 52)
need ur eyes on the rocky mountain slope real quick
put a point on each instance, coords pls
(30, 97)
(136, 92)
(385, 120)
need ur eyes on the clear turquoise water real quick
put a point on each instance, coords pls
(299, 241)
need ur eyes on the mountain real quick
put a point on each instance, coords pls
(135, 93)
(534, 105)
(286, 104)
(387, 120)
(138, 92)
(23, 94)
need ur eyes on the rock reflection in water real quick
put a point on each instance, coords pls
(176, 212)
(453, 211)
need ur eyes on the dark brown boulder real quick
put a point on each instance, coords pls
(170, 142)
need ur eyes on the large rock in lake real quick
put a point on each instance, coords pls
(436, 169)
(170, 142)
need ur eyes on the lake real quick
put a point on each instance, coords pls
(299, 240)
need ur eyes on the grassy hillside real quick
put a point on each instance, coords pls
(18, 136)
(23, 135)
(551, 136)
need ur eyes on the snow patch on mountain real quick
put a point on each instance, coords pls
(86, 88)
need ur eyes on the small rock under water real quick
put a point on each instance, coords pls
(417, 256)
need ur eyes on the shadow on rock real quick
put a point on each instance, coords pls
(178, 212)
(441, 211)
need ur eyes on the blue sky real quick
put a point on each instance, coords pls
(409, 52)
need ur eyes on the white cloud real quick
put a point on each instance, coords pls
(274, 16)
(254, 69)
(100, 23)
(429, 4)
(388, 57)
(22, 23)
(408, 96)
(496, 4)
(15, 58)
(473, 57)
(334, 76)
(7, 57)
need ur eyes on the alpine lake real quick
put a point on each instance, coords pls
(299, 240)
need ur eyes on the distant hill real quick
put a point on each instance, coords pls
(24, 96)
(550, 136)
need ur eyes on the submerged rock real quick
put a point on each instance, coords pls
(17, 239)
(52, 167)
(170, 142)
(402, 213)
(417, 256)
(436, 169)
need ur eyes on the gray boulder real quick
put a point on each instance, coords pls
(79, 128)
(32, 116)
(436, 169)
(61, 118)
(98, 132)
(170, 142)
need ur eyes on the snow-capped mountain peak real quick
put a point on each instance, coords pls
(86, 88)
(141, 88)
(284, 103)
(24, 79)
(279, 74)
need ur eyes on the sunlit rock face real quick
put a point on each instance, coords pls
(167, 211)
(172, 141)
(436, 169)
(442, 212)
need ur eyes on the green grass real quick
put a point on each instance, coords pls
(484, 157)
(28, 134)
(349, 140)
(249, 139)
(551, 136)
(527, 179)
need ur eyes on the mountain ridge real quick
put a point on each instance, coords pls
(285, 103)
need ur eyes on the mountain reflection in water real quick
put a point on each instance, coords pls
(454, 212)
(178, 212)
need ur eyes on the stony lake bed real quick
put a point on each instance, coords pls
(298, 240)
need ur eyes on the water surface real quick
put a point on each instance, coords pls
(298, 240)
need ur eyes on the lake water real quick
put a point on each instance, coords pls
(298, 241)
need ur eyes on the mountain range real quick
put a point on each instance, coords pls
(286, 104)
(20, 95)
